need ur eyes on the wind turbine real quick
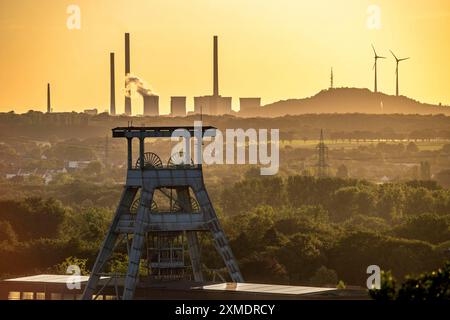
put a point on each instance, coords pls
(396, 70)
(376, 57)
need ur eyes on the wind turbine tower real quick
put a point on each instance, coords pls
(376, 57)
(397, 60)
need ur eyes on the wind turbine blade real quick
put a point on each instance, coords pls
(382, 57)
(373, 48)
(404, 59)
(394, 55)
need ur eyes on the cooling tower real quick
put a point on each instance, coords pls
(151, 105)
(178, 106)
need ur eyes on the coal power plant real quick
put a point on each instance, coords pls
(214, 104)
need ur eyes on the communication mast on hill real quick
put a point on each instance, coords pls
(322, 150)
(162, 210)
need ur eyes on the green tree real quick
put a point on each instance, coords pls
(301, 257)
(62, 267)
(412, 147)
(93, 168)
(427, 227)
(7, 234)
(324, 277)
(429, 286)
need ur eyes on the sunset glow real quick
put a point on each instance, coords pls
(273, 49)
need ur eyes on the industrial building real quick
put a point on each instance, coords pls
(213, 105)
(178, 106)
(91, 112)
(151, 105)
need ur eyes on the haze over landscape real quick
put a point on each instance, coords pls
(353, 97)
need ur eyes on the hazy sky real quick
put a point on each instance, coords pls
(275, 49)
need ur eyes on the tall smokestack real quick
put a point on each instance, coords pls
(49, 105)
(216, 68)
(127, 71)
(112, 108)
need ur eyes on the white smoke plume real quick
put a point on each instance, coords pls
(135, 84)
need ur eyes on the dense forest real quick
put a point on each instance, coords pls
(298, 230)
(385, 201)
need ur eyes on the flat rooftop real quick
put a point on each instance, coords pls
(266, 288)
(52, 278)
(161, 290)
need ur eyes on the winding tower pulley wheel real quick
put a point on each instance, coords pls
(194, 206)
(173, 163)
(135, 206)
(151, 160)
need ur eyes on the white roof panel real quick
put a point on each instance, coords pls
(52, 278)
(266, 288)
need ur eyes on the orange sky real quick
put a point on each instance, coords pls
(273, 49)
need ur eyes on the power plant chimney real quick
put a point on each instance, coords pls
(127, 72)
(49, 105)
(112, 108)
(216, 68)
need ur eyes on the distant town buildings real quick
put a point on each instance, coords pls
(76, 165)
(46, 174)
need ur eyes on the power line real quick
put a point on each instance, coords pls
(322, 166)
